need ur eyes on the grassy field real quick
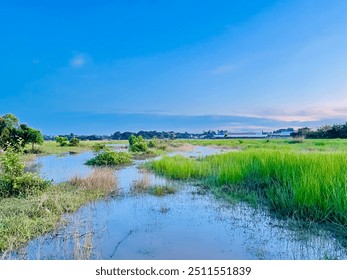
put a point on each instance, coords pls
(23, 218)
(51, 147)
(308, 145)
(305, 179)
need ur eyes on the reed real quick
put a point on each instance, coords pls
(102, 179)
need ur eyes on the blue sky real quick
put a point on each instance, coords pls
(100, 66)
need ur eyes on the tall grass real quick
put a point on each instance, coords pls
(102, 179)
(309, 185)
(24, 218)
(274, 144)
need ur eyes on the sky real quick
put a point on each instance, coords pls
(96, 67)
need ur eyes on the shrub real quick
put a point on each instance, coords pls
(110, 158)
(62, 141)
(28, 184)
(98, 148)
(153, 143)
(137, 144)
(11, 164)
(14, 181)
(74, 142)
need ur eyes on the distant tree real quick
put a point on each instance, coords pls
(62, 141)
(302, 132)
(74, 141)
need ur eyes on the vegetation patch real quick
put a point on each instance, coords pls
(137, 144)
(143, 184)
(14, 181)
(24, 218)
(161, 190)
(312, 185)
(110, 158)
(63, 141)
(100, 179)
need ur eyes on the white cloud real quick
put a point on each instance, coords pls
(78, 61)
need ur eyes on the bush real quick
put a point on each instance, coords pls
(62, 141)
(137, 144)
(28, 184)
(14, 181)
(74, 142)
(11, 164)
(98, 148)
(153, 143)
(110, 158)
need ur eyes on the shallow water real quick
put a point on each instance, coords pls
(184, 225)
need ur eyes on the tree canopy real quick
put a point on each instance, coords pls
(17, 135)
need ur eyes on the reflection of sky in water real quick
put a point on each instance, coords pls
(180, 226)
(63, 167)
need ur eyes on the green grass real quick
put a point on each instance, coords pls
(319, 145)
(22, 219)
(309, 185)
(51, 147)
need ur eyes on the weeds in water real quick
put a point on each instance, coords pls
(102, 179)
(162, 190)
(142, 185)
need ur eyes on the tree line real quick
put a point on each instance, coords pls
(324, 132)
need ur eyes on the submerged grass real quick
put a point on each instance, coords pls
(311, 185)
(162, 190)
(22, 219)
(143, 184)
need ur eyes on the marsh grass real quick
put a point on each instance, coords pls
(273, 144)
(102, 179)
(51, 147)
(143, 184)
(22, 219)
(312, 185)
(161, 190)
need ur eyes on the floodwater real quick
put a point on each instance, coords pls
(189, 224)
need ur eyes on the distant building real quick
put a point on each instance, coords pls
(253, 135)
(231, 135)
(283, 134)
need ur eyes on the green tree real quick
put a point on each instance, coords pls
(30, 135)
(10, 133)
(74, 141)
(137, 144)
(62, 141)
